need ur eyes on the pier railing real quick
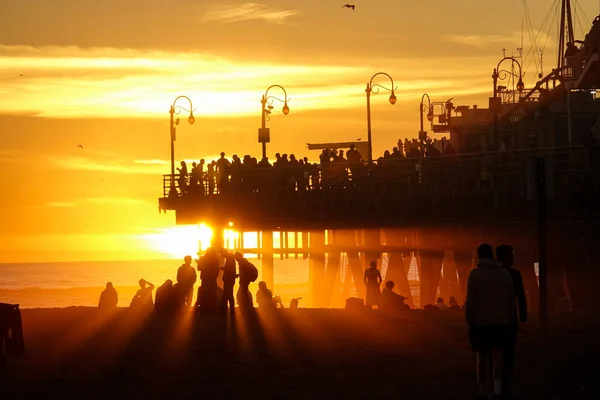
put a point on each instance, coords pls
(447, 186)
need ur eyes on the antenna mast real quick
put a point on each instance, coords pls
(565, 34)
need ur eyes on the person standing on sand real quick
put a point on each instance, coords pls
(489, 312)
(108, 298)
(505, 254)
(372, 281)
(229, 275)
(186, 277)
(142, 300)
(248, 274)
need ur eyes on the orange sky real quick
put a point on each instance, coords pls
(103, 74)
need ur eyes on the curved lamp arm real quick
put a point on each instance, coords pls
(270, 99)
(375, 88)
(175, 109)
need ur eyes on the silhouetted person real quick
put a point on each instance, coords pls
(440, 304)
(167, 298)
(570, 51)
(505, 254)
(186, 278)
(391, 301)
(264, 296)
(372, 280)
(223, 166)
(211, 176)
(108, 298)
(248, 274)
(489, 312)
(208, 265)
(229, 275)
(142, 300)
(182, 177)
(452, 303)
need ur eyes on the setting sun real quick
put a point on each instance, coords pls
(179, 241)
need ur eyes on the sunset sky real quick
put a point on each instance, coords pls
(104, 73)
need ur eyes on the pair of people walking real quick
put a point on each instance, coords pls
(494, 306)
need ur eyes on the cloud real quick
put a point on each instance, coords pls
(247, 12)
(115, 201)
(108, 83)
(116, 166)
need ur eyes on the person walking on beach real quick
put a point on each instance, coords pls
(108, 298)
(372, 281)
(186, 278)
(505, 254)
(489, 312)
(142, 300)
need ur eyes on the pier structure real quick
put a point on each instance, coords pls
(525, 172)
(439, 216)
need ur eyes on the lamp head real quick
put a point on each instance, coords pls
(430, 115)
(393, 98)
(520, 85)
(191, 119)
(286, 109)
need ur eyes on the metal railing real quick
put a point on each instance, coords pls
(452, 172)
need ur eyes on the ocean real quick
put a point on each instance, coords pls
(64, 284)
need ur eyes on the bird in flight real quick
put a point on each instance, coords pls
(352, 6)
(80, 147)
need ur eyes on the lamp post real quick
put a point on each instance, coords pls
(502, 74)
(172, 131)
(422, 132)
(375, 89)
(264, 135)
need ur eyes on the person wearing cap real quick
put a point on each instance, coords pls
(489, 313)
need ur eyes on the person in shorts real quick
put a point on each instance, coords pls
(489, 312)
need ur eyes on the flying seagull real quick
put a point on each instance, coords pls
(80, 147)
(352, 6)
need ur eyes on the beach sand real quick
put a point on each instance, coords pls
(81, 353)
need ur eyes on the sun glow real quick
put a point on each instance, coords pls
(179, 241)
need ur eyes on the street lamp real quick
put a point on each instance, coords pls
(264, 135)
(496, 103)
(422, 132)
(172, 131)
(375, 89)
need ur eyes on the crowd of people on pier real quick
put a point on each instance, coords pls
(298, 173)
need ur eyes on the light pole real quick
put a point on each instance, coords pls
(502, 74)
(422, 132)
(375, 89)
(264, 135)
(172, 131)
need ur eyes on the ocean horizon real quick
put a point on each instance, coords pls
(79, 283)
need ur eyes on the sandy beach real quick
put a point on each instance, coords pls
(81, 353)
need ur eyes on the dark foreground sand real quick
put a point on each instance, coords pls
(79, 353)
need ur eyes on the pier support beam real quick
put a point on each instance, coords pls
(316, 267)
(464, 261)
(356, 268)
(399, 263)
(332, 270)
(268, 262)
(429, 275)
(525, 257)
